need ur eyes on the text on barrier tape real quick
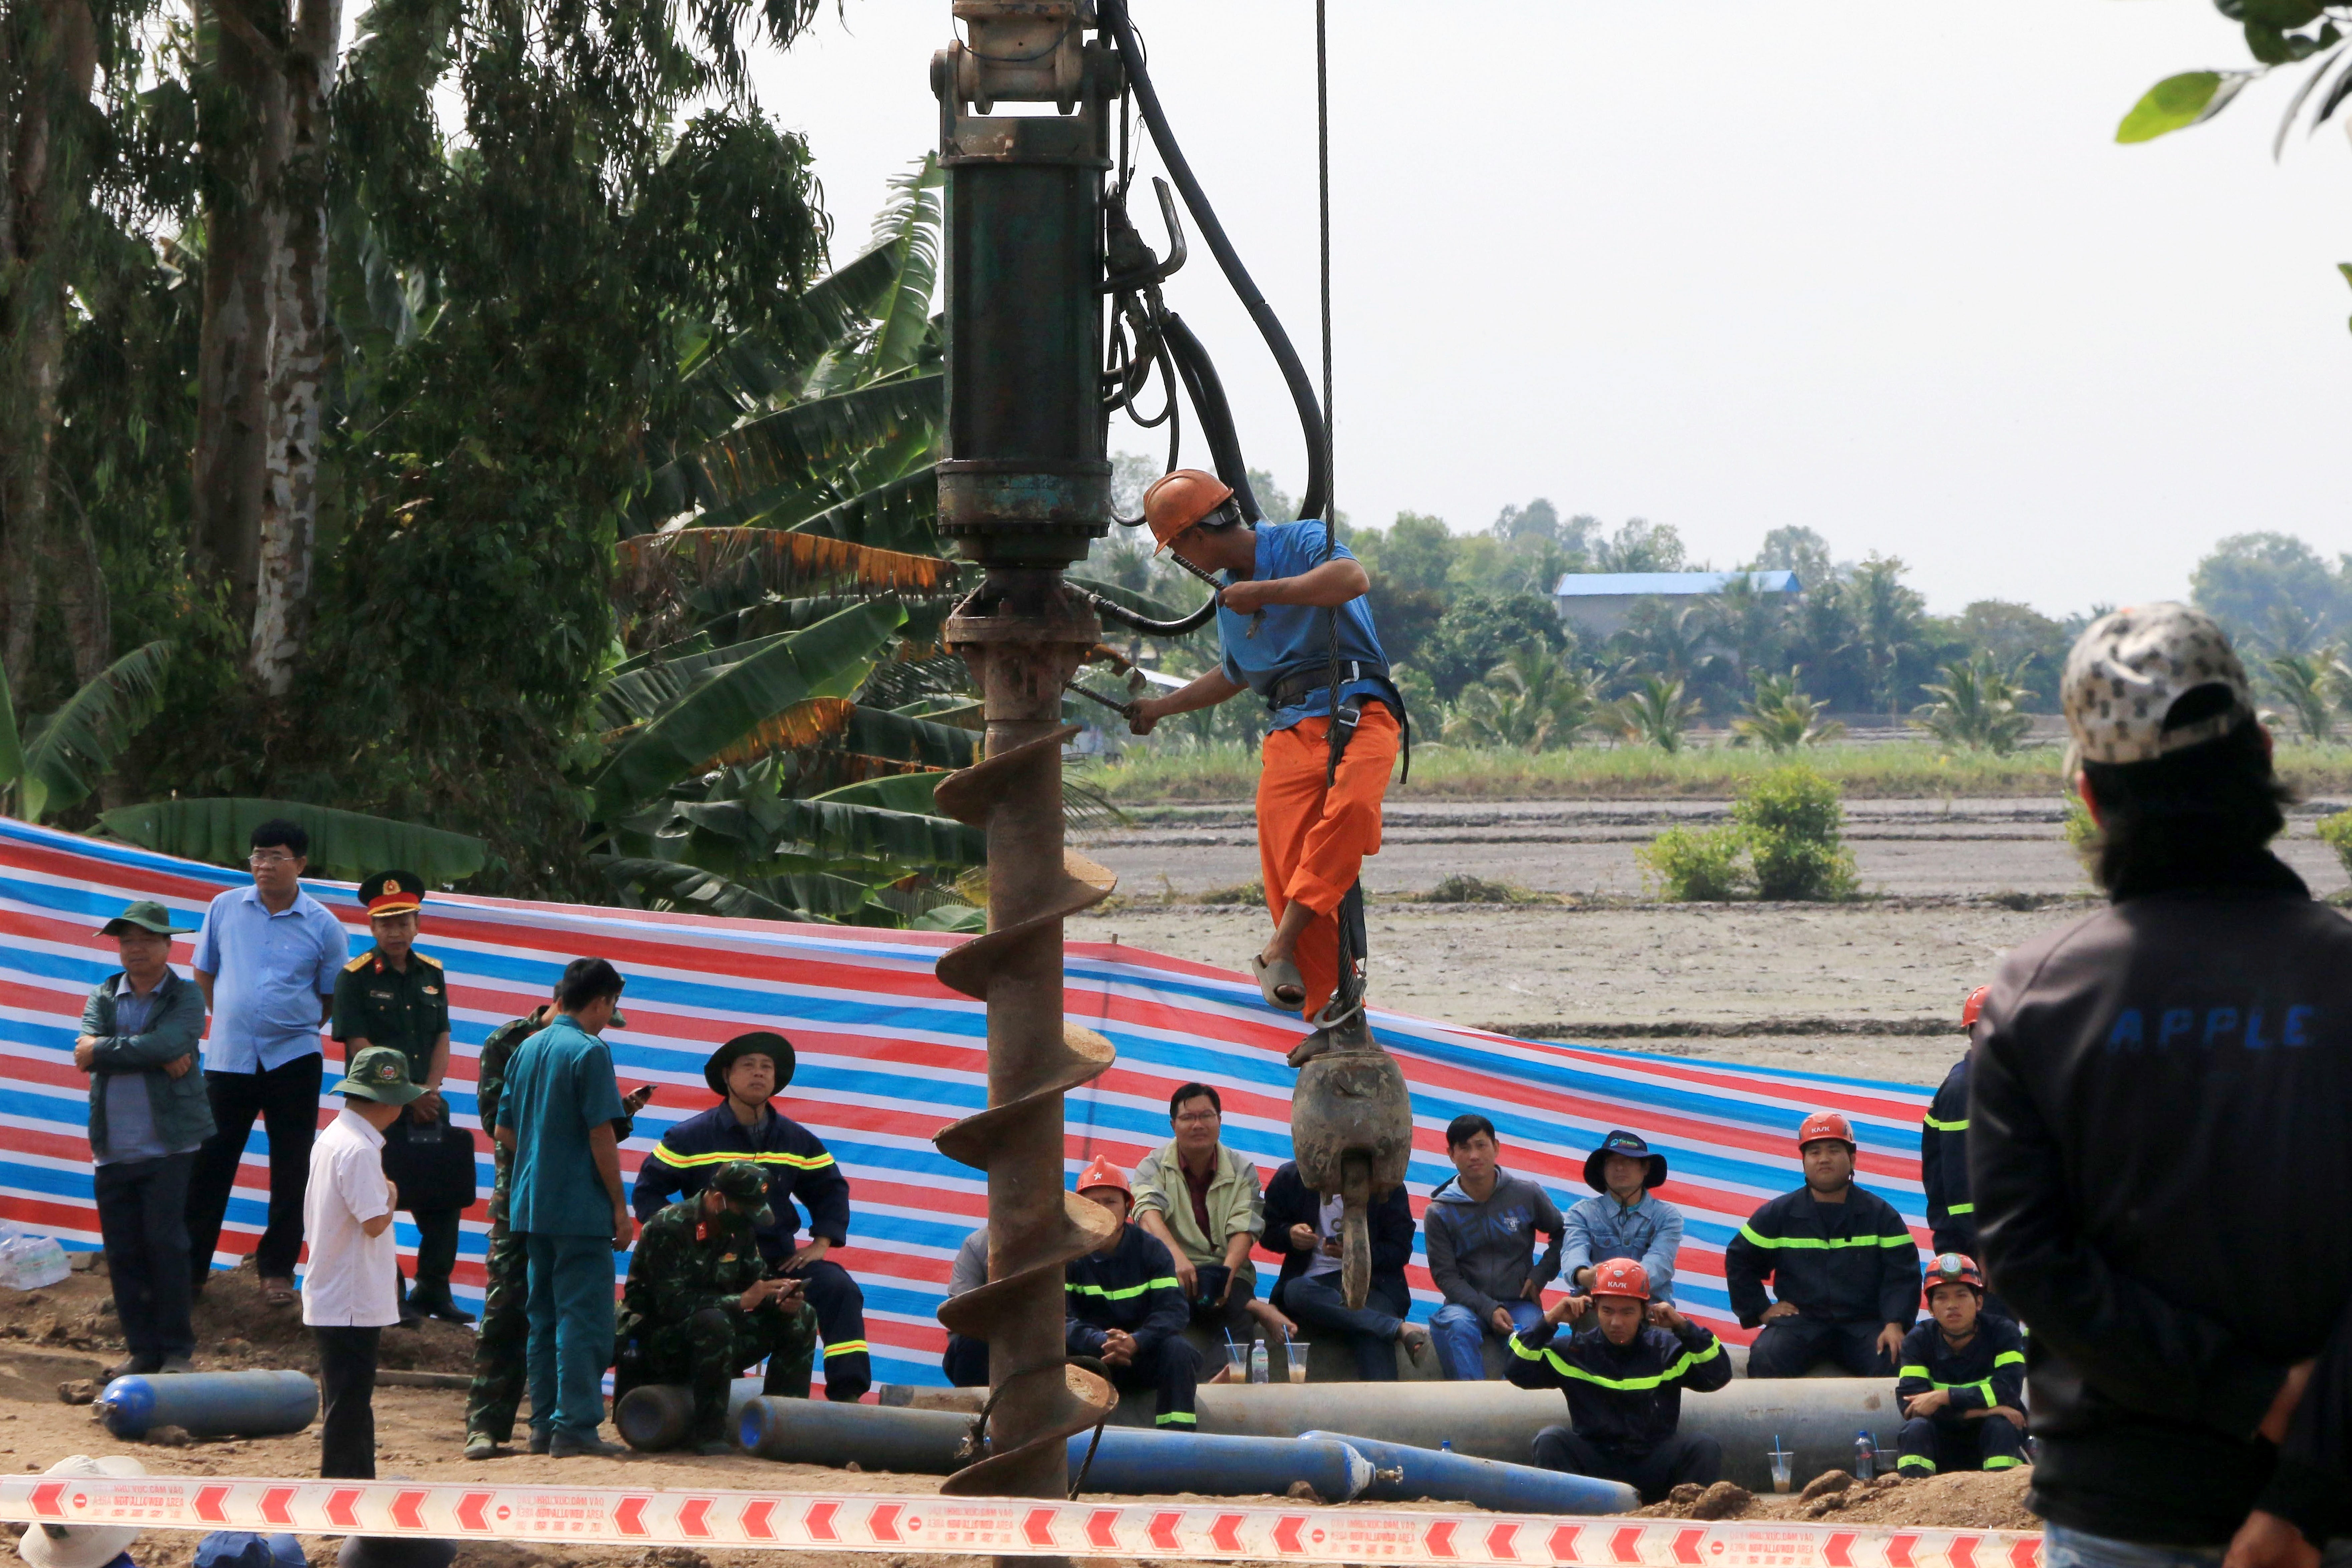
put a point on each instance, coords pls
(1019, 1526)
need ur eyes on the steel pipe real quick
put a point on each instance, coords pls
(1145, 1463)
(1402, 1473)
(878, 1437)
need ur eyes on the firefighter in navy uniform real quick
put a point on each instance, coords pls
(395, 995)
(700, 1304)
(1127, 1309)
(1962, 1381)
(1944, 1148)
(745, 1073)
(1844, 1270)
(1625, 1371)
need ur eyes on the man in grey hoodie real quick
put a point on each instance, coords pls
(1480, 1230)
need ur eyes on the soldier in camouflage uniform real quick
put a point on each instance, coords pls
(699, 1306)
(501, 1350)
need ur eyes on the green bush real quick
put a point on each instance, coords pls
(2083, 834)
(1794, 827)
(2336, 833)
(1689, 865)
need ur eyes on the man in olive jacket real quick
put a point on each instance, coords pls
(1200, 1200)
(148, 1115)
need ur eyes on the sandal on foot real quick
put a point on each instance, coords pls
(1275, 978)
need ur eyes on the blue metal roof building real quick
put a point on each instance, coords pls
(1599, 604)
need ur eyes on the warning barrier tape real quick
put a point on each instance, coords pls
(1017, 1527)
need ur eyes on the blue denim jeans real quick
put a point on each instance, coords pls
(1458, 1333)
(2064, 1548)
(571, 1331)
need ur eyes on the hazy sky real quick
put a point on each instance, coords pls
(1869, 265)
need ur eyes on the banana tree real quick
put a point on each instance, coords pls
(61, 755)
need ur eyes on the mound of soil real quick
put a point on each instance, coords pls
(236, 1329)
(1963, 1500)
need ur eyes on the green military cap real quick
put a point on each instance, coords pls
(747, 1184)
(379, 1073)
(146, 915)
(392, 893)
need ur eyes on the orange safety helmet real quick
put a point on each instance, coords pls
(1101, 1172)
(1823, 1124)
(1974, 1005)
(1179, 500)
(1621, 1276)
(1951, 1268)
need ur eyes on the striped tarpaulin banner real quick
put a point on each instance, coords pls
(888, 1056)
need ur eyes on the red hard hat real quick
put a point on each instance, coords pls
(1101, 1172)
(1823, 1124)
(1621, 1276)
(1952, 1268)
(1974, 1005)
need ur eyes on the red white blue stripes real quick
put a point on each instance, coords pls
(888, 1056)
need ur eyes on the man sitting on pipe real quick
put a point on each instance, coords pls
(1962, 1382)
(1623, 1371)
(1303, 1226)
(1200, 1200)
(746, 1073)
(700, 1304)
(1844, 1270)
(1480, 1229)
(1315, 826)
(1126, 1308)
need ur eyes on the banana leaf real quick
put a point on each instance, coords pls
(829, 659)
(698, 891)
(911, 839)
(795, 445)
(909, 230)
(797, 728)
(12, 754)
(894, 736)
(903, 514)
(900, 792)
(661, 565)
(71, 750)
(342, 843)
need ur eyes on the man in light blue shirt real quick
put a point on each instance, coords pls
(267, 963)
(1624, 1220)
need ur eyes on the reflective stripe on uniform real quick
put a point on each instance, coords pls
(1125, 1291)
(2009, 1358)
(1961, 1208)
(1688, 1360)
(1810, 1241)
(2003, 1462)
(847, 1347)
(677, 1162)
(1935, 1126)
(1926, 1466)
(1176, 1419)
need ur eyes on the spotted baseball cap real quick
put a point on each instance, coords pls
(381, 1073)
(747, 1184)
(2126, 672)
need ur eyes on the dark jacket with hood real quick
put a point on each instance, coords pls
(1482, 1253)
(2158, 1152)
(1627, 1399)
(1854, 1262)
(1289, 1201)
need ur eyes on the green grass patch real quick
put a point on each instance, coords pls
(1891, 770)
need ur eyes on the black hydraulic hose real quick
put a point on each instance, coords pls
(1111, 610)
(1196, 201)
(1215, 413)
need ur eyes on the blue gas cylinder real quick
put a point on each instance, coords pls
(210, 1404)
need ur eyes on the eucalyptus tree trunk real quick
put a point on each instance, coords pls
(242, 140)
(48, 60)
(297, 318)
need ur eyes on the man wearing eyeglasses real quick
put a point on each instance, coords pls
(267, 963)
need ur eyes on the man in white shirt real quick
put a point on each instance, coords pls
(350, 1291)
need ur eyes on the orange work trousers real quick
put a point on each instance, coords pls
(1312, 838)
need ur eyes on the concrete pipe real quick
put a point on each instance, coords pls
(1814, 1417)
(1160, 1464)
(1406, 1473)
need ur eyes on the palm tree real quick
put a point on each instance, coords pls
(1887, 623)
(1532, 699)
(1780, 717)
(2302, 681)
(1975, 707)
(1748, 622)
(1656, 712)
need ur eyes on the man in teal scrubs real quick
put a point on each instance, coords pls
(567, 1204)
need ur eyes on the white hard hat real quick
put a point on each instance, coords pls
(82, 1546)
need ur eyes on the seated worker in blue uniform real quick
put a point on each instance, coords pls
(1962, 1381)
(1623, 1370)
(1126, 1308)
(746, 1073)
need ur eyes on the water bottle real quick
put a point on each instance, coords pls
(1257, 1361)
(1446, 1445)
(1865, 1457)
(28, 1262)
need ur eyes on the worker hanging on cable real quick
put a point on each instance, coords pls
(1317, 819)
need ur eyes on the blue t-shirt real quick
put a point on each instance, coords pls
(559, 1087)
(270, 971)
(1294, 637)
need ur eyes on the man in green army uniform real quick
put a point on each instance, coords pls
(502, 1344)
(699, 1307)
(395, 995)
